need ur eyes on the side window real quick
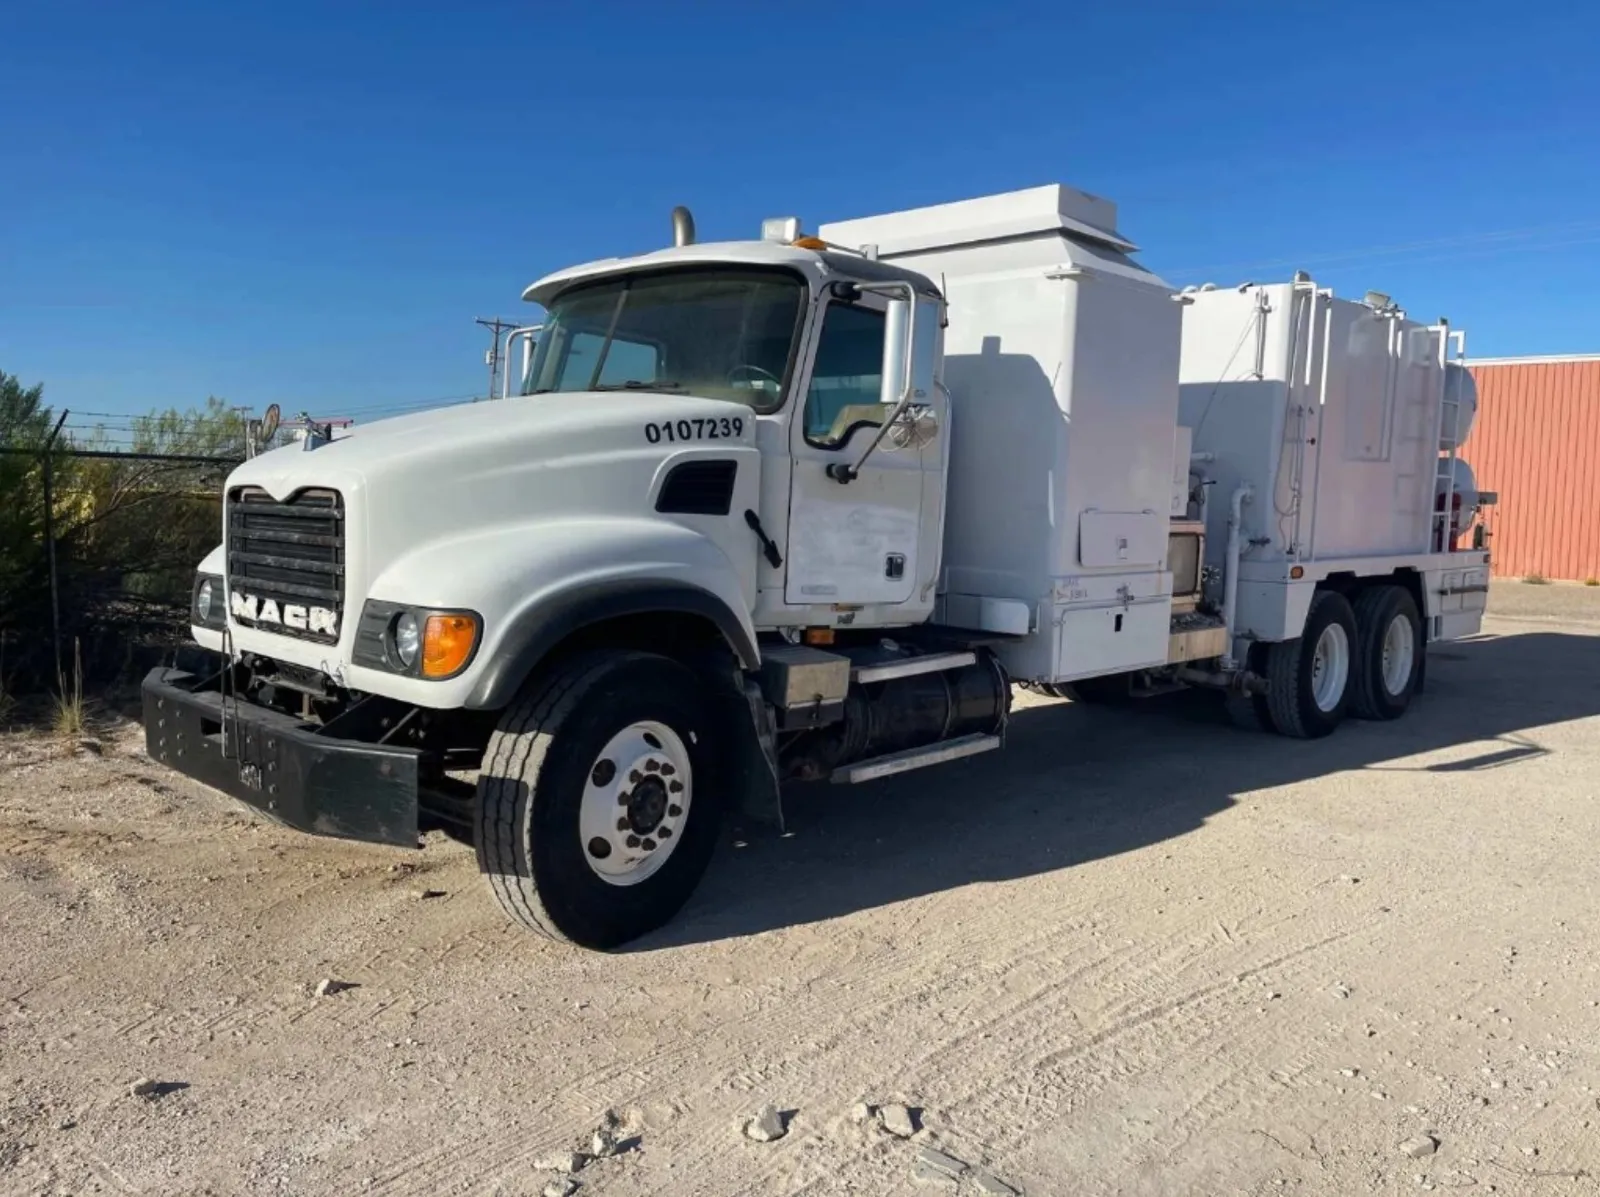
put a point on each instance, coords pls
(848, 376)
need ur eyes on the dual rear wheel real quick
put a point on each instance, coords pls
(1363, 659)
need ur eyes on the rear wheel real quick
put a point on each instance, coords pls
(1309, 678)
(1389, 652)
(599, 799)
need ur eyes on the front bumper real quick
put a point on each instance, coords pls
(286, 769)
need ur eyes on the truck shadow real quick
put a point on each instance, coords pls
(1076, 783)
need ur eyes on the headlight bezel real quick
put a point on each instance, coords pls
(377, 646)
(215, 618)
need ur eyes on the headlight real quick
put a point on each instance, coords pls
(208, 602)
(407, 638)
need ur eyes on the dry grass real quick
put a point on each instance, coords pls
(71, 712)
(1536, 580)
(8, 700)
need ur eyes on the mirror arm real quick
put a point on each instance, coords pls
(845, 472)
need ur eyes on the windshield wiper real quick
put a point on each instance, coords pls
(639, 384)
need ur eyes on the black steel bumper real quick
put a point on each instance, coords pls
(283, 768)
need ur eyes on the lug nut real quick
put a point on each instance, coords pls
(633, 841)
(664, 833)
(674, 810)
(652, 766)
(648, 845)
(675, 786)
(623, 824)
(667, 770)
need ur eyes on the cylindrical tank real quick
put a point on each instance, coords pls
(1464, 499)
(909, 712)
(1459, 386)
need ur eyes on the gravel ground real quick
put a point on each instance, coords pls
(1136, 953)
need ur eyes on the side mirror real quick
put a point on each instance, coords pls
(910, 338)
(897, 349)
(529, 336)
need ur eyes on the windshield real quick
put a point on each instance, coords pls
(721, 333)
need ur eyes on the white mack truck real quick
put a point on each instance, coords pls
(806, 507)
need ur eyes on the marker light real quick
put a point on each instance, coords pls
(448, 643)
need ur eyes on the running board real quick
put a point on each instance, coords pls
(915, 758)
(911, 666)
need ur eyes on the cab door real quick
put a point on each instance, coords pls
(858, 542)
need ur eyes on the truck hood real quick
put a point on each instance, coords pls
(422, 489)
(536, 431)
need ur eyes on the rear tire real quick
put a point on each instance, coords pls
(612, 729)
(1389, 653)
(1309, 679)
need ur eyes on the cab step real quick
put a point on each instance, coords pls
(914, 758)
(911, 666)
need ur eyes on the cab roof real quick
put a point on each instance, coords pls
(819, 266)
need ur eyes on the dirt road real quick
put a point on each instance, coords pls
(1134, 954)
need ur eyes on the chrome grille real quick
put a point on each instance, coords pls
(286, 562)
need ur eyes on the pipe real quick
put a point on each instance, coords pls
(682, 227)
(1240, 681)
(1230, 576)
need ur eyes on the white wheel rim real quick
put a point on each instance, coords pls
(1330, 667)
(1399, 648)
(635, 803)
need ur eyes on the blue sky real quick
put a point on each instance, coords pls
(309, 203)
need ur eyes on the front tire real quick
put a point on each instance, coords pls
(600, 798)
(1309, 678)
(1389, 651)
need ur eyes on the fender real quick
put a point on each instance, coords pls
(538, 629)
(535, 582)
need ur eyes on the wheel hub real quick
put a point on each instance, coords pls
(1330, 667)
(1399, 650)
(647, 805)
(635, 803)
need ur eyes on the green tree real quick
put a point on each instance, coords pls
(24, 426)
(129, 530)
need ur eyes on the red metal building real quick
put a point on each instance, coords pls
(1536, 443)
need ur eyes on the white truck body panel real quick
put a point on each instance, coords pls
(1337, 436)
(1061, 361)
(1330, 411)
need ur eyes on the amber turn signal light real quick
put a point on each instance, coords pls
(447, 644)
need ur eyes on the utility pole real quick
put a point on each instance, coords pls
(50, 545)
(495, 327)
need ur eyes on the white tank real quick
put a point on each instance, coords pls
(1463, 388)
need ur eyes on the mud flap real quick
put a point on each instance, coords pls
(755, 754)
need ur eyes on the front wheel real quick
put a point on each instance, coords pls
(599, 798)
